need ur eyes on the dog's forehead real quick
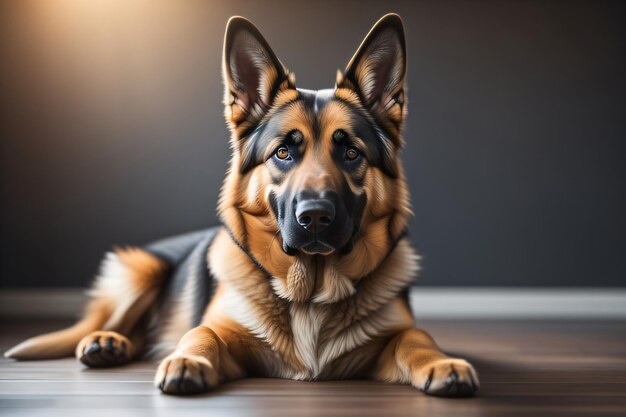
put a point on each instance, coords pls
(316, 99)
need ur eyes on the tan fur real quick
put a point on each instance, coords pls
(413, 357)
(131, 299)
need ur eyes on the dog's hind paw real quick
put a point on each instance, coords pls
(447, 378)
(103, 349)
(180, 374)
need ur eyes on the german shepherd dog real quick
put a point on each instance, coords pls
(307, 278)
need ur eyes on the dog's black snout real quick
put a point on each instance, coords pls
(315, 215)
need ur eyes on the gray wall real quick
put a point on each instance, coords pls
(112, 129)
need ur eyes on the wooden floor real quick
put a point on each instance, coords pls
(527, 368)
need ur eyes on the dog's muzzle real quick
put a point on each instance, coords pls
(315, 223)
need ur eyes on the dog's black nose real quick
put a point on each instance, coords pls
(315, 215)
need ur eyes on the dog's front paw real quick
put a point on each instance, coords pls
(186, 374)
(447, 378)
(103, 349)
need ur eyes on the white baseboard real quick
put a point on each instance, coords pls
(522, 303)
(427, 302)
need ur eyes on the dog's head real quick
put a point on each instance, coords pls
(315, 172)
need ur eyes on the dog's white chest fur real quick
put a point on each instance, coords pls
(307, 320)
(318, 342)
(315, 333)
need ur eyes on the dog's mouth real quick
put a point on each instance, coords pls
(317, 248)
(311, 248)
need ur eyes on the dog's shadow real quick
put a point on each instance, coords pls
(501, 382)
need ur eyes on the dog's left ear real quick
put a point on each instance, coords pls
(253, 75)
(377, 72)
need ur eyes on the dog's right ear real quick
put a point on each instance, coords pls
(253, 76)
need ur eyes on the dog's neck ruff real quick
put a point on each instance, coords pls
(282, 292)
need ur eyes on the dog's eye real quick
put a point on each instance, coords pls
(282, 152)
(352, 153)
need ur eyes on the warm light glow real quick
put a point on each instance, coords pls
(95, 46)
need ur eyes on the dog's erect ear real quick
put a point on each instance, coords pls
(377, 71)
(253, 75)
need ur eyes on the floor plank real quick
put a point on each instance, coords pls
(539, 368)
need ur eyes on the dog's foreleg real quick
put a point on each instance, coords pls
(200, 362)
(413, 357)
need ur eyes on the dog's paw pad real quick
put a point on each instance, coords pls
(185, 374)
(449, 378)
(103, 349)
